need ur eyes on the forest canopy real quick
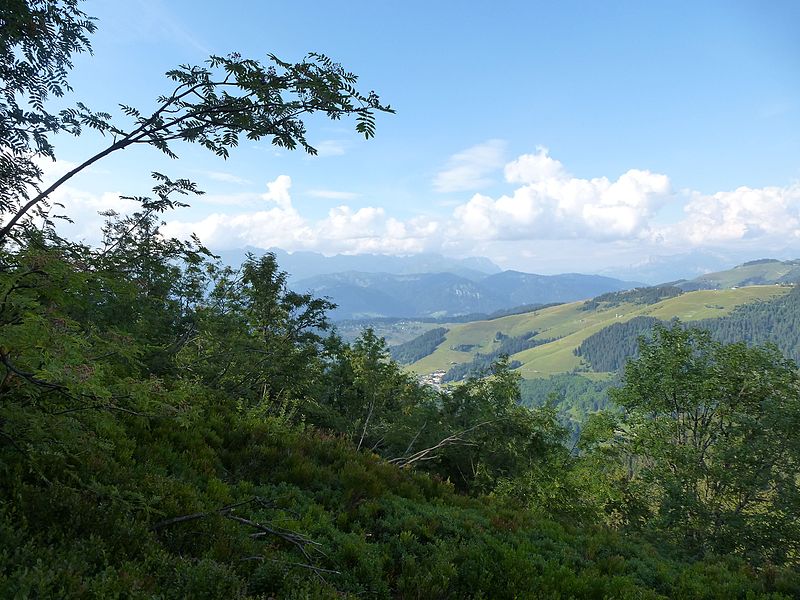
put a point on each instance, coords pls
(174, 427)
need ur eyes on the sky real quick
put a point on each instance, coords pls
(546, 136)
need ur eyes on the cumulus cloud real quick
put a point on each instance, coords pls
(333, 194)
(530, 168)
(343, 230)
(278, 192)
(744, 214)
(471, 169)
(551, 204)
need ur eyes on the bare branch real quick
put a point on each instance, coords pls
(422, 455)
(202, 515)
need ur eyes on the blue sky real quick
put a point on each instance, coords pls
(557, 136)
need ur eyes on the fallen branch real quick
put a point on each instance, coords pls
(103, 407)
(414, 439)
(293, 564)
(294, 538)
(298, 540)
(451, 440)
(202, 515)
(366, 423)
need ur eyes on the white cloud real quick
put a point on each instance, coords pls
(343, 230)
(333, 194)
(53, 169)
(330, 148)
(278, 192)
(554, 205)
(83, 209)
(227, 178)
(530, 168)
(471, 169)
(744, 214)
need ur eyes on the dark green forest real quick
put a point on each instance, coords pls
(573, 396)
(171, 427)
(611, 347)
(483, 361)
(642, 295)
(775, 321)
(420, 347)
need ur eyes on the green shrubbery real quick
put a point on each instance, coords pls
(146, 451)
(173, 428)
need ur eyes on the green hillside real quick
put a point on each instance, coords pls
(571, 324)
(172, 427)
(756, 272)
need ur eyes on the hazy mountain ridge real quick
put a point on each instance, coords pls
(657, 269)
(695, 264)
(360, 294)
(304, 264)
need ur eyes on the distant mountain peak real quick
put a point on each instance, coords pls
(303, 264)
(422, 295)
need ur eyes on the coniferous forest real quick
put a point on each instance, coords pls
(775, 321)
(171, 427)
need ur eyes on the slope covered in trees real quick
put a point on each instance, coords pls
(507, 346)
(420, 347)
(775, 321)
(174, 428)
(196, 444)
(611, 347)
(568, 325)
(641, 295)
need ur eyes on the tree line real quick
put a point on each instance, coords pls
(482, 361)
(775, 321)
(642, 295)
(173, 427)
(420, 347)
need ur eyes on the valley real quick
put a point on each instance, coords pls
(571, 325)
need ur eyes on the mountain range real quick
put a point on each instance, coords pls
(548, 341)
(304, 264)
(365, 295)
(368, 286)
(756, 301)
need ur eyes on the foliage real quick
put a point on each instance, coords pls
(643, 295)
(171, 427)
(499, 439)
(37, 41)
(712, 428)
(573, 396)
(482, 362)
(420, 347)
(611, 347)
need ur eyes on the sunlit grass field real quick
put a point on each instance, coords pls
(570, 326)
